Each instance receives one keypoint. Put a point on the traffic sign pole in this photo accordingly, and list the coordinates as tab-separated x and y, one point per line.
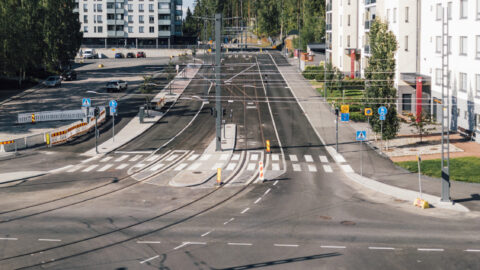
113	127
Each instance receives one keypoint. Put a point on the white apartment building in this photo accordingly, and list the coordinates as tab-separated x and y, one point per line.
130	22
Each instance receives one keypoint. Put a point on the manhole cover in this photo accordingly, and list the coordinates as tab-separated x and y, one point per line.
348	223
197	172
326	217
399	200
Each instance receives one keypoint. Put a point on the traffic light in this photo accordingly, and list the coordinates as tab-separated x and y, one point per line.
96	112
224	112
336	111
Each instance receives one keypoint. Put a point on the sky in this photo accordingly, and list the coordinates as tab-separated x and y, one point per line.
186	4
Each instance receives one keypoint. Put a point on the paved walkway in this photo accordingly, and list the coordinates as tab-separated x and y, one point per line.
363	158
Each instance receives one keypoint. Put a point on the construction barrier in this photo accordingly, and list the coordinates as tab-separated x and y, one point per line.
51	116
261	176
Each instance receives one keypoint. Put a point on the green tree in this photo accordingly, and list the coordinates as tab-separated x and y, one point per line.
189	25
379	75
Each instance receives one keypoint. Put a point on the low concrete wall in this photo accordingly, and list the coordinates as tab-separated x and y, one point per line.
110	53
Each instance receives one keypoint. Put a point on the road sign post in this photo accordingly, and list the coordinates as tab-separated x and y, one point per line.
113	110
382	111
419	160
336	128
96	113
361	137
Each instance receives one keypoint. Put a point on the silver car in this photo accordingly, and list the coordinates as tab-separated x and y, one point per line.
53	81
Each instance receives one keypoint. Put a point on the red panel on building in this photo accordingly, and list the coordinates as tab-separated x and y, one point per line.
419	98
352	63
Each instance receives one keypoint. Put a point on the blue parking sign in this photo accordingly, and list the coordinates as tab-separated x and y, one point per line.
345	117
382	110
113	103
382	117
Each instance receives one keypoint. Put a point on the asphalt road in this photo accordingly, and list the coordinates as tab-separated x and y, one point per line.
309	217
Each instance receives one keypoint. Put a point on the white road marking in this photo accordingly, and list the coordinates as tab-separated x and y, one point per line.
257	200
205	234
122	166
333	246
156	167
172	157
61	169
9	239
239	244
149	259
49	240
381	248
90	159
312	168
327	168
228	221
189	243
121	158
275	183
139	165
76	168
266	192
254	157
182	245
293	158
106	159
236	157
181	167
205	157
347	168
90	168
104	168
195	166
472	250
308	158
135	158
245	210
285	245
251	166
251	107
216	166
275	167
152	158
430	249
148	242
231	166
323	159
223	157
338	158
193	157
275	157
296	167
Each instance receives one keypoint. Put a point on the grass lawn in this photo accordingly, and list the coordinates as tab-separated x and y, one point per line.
466	169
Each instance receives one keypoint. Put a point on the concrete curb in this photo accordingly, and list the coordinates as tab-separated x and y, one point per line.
13	177
396	192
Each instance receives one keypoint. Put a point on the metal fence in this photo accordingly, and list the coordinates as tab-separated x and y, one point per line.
52	116
179	47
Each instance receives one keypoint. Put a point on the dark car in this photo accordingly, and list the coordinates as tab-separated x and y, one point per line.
116	85
141	55
130	55
69	75
119	55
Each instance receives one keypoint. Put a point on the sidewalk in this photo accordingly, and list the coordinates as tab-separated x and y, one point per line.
389	179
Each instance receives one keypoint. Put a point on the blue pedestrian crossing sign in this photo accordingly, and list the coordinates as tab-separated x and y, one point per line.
382	110
361	135
86	102
113	103
345	117
382	117
113	110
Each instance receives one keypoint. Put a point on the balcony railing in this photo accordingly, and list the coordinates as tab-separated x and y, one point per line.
329	6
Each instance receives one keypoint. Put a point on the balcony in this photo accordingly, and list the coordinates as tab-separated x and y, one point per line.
75	10
163	11
115	22
115	33
329	7
178	34
164	22
164	33
366	49
111	10
368	24
178	22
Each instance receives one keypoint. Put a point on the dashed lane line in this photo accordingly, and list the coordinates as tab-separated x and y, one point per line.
240	244
267	191
207	233
285	245
228	221
189	243
258	200
49	240
8	238
472	250
148	242
431	249
275	183
337	247
149	259
245	210
122	158
381	248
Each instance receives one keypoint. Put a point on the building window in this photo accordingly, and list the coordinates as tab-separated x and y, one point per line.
406	43
463	9
163	6
140	7
449	44
478	10
140	29
477	47
438	76
99	9
340	41
477	85
130	7
85	29
348	20
439	10
151	19
119	5
394	15
94	29
341	20
388	15
463	82
463	46
130	18
99	19
449	10
150	7
152	29
85	19
100	29
130	29
179	7
407	9
140	19
348	41
438	44
85	7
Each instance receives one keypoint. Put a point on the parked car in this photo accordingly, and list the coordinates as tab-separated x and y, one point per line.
141	55
116	85
89	54
69	75
130	55
53	81
119	55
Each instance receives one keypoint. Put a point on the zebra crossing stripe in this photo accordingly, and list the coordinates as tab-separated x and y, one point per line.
224	157
181	166
251	166
74	169
172	157
216	166
323	159
347	168
308	158
293	158
296	167
156	167
236	157
135	158
254	157
275	167
327	168
106	159
122	166
152	158
193	157
275	157
90	168
121	158
195	166
312	168
205	157
104	168
231	166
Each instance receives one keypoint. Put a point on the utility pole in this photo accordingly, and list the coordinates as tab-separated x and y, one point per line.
218	90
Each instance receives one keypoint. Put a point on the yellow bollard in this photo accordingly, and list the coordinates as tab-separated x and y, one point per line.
33	118
219	176
268	146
